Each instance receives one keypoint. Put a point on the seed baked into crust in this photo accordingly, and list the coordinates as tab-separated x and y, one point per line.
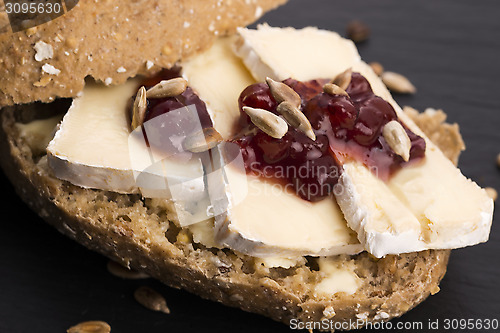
143	236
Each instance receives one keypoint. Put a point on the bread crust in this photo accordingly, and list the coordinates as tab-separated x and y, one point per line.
391	286
113	43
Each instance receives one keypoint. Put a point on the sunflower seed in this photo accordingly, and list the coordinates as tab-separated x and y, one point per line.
151	299
398	83
202	140
267	121
397	139
357	31
377	67
343	79
139	108
492	193
90	327
123	272
296	118
168	88
333	89
281	92
498	160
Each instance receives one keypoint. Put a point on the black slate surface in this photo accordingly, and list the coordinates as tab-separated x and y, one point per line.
450	49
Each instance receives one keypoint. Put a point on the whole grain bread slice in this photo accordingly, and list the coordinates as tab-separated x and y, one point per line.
141	234
112	41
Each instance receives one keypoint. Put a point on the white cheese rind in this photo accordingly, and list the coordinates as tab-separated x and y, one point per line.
72	154
94	148
454	211
376	214
272	221
447	210
272	52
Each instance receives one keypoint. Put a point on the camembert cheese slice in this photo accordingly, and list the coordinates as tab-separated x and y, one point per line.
94	148
219	78
272	222
426	206
265	221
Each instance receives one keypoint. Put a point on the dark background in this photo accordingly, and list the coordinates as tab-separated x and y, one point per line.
448	48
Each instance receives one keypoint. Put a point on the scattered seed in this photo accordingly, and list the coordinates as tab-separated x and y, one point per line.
492	193
168	88
358	31
397	139
296	118
333	89
139	108
123	272
498	160
281	92
398	83
377	67
268	122
151	299
90	327
343	79
202	140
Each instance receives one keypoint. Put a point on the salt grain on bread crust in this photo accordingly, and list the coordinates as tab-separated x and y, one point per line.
104	44
128	230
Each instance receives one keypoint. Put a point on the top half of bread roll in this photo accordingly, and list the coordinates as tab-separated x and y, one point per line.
112	41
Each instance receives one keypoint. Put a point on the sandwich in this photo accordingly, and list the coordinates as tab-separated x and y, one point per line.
268	169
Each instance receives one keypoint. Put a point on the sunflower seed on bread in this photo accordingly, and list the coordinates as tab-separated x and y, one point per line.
333	89
167	88
343	79
397	138
203	140
139	108
283	93
296	118
267	122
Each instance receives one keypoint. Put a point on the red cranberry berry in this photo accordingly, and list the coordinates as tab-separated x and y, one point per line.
257	96
273	150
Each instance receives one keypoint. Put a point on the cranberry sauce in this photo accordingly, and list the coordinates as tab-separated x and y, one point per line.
346	127
166	132
159	106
